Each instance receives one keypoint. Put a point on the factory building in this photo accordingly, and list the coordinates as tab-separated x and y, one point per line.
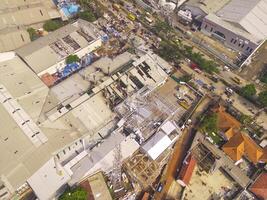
16	16
80	38
239	24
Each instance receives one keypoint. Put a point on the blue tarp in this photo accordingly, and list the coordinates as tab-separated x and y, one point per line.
73	9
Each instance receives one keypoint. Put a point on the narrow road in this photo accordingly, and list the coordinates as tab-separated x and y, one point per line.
180	149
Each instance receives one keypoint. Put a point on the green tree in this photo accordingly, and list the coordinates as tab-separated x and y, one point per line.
263	98
74	194
248	91
210	123
162	26
72	59
52	25
169	51
87	15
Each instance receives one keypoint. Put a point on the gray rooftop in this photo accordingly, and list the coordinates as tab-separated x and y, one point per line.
236	10
17	15
207	6
58	45
250	15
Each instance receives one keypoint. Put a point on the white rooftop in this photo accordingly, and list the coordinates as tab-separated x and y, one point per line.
251	15
157	144
46	181
168	127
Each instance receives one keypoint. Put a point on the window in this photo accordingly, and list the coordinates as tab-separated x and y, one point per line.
64	152
242	45
250	50
211	29
239	44
232	40
235	41
247	48
41	13
206	26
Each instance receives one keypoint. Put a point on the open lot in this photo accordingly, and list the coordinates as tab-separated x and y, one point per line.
259	59
204	186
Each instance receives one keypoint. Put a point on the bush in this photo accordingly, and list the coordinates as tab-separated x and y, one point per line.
52	25
248	91
72	59
87	15
74	194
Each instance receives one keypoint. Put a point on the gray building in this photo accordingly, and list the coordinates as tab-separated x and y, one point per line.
239	24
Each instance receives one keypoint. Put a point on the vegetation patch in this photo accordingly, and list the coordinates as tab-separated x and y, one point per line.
209	126
248	91
74	194
72	59
263	98
33	34
52	25
87	15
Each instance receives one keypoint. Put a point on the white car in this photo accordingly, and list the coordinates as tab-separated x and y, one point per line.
226	68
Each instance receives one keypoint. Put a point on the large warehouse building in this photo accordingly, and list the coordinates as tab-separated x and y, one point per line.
18	15
239	24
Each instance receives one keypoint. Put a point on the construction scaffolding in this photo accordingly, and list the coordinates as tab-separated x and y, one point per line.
144	112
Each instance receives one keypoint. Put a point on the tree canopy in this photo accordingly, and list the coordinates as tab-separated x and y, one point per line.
72	59
162	26
263	98
52	25
169	51
87	15
248	91
32	33
74	194
210	123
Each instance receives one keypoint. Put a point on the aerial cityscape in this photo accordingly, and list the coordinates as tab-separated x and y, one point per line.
133	99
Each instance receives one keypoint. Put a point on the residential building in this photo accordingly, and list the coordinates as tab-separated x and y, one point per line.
241	145
186	172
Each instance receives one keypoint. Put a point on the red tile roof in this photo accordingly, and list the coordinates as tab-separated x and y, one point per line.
187	170
241	144
146	196
259	187
225	120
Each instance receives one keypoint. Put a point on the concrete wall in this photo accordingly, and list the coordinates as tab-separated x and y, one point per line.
229	38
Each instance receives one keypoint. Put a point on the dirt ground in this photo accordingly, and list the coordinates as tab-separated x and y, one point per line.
203	185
